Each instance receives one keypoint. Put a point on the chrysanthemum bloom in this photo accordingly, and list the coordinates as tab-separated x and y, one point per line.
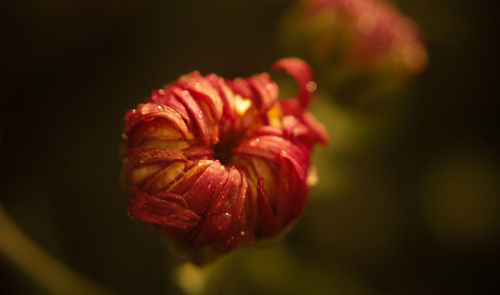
220	163
362	48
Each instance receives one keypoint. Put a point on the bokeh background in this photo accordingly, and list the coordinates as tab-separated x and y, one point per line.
408	194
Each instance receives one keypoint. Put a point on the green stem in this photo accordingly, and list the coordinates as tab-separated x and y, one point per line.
41	266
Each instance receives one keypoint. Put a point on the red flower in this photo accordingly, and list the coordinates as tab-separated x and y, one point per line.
221	163
362	50
377	29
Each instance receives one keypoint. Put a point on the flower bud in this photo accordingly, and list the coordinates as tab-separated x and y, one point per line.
362	49
221	164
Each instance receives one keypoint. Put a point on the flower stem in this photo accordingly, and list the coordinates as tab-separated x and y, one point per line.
41	266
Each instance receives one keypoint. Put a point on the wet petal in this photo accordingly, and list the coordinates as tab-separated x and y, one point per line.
201	89
196	113
165	97
144	156
165	209
151	111
302	73
225	94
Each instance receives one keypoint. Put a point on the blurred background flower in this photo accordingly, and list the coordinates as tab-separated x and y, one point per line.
363	50
407	197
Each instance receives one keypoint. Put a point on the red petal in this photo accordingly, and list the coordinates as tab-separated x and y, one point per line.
225	94
202	190
270	147
165	97
265	92
294	108
164	210
196	113
316	127
191	174
267	220
240	86
223	222
143	156
201	89
150	111
196	152
301	72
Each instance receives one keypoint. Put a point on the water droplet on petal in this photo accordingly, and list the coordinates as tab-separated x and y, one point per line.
255	142
230	240
222	221
311	86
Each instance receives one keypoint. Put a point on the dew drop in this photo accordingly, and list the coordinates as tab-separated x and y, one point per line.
311	86
255	142
159	108
219	203
230	240
222	221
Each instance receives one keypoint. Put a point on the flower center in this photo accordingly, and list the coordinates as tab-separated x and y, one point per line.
224	149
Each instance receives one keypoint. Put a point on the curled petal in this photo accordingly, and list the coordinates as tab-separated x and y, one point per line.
270	147
162	209
166	97
144	156
195	153
259	88
268	222
152	111
189	175
240	86
196	113
291	201
224	221
225	94
315	129
201	89
202	190
265	92
302	73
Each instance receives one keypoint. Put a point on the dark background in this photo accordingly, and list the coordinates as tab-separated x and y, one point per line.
408	198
